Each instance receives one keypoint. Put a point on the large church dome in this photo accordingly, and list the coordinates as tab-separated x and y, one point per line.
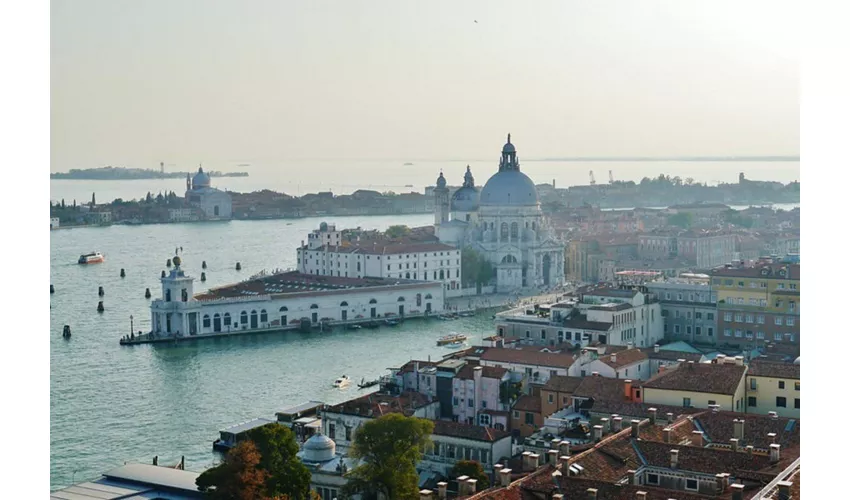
509	186
201	179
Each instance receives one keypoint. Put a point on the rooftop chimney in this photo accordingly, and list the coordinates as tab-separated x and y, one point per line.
674	459
564	447
606	425
505	477
696	438
617	424
669	418
442	490
784	490
564	461
774	453
739	360
737	491
525	456
552	457
734	442
738	425
557	496
635	428
640	495
771	436
595	374
533	461
653	413
591	494
461	484
426	495
661	368
614	358
773	415
627	388
750	449
597	433
470	486
632	476
721	358
719	482
666	433
657	348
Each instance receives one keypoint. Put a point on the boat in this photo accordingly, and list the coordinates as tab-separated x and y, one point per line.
456	345
342	382
90	258
408	185
364	384
466	314
451	339
391	322
354	327
408	164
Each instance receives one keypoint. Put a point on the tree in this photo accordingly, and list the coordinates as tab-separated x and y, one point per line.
238	478
387	450
92	200
63	202
472	469
689	181
397	231
486	272
470	264
286	474
681	219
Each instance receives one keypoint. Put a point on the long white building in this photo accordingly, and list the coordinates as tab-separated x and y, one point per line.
326	254
283	300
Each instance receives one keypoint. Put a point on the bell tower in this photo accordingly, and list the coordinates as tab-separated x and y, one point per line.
441	201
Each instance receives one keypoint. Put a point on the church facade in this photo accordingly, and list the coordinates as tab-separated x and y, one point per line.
504	223
215	203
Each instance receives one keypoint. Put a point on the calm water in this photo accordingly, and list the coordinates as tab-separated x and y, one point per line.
336	176
110	404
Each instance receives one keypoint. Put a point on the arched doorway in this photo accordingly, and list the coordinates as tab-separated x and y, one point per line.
253	319
283	311
315	315
344	312
216	322
373	309
401	306
547	266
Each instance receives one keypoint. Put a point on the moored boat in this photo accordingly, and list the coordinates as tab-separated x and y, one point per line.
451	339
342	382
90	258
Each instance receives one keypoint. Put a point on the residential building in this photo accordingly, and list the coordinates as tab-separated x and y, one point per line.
758	304
526	415
532	364
54	223
595	388
476	388
452	442
688	309
629	363
557	393
773	387
327	254
700	385
704	249
660	358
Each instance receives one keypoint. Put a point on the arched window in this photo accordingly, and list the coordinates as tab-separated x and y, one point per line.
284	308
243	318
343	304
168	295
264	317
428	296
206	320
509	259
514	230
407	276
314	306
253	319
504	231
226	319
373	301
401	299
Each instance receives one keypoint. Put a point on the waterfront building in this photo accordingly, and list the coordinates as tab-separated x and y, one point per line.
54	223
135	481
603	314
215	203
758	304
327	467
452	442
326	253
700	385
182	215
688	309
285	300
773	387
504	223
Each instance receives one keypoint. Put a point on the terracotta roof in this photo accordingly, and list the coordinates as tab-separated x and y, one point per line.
465	431
699	377
755	271
528	356
639	410
718	428
562	383
528	403
760	368
671	355
389	248
410	365
381	404
468	372
705	460
601	388
624	358
294	282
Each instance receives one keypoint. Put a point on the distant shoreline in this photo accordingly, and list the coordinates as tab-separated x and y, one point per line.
130	174
674	158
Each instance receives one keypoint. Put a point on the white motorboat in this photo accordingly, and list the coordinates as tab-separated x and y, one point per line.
342	382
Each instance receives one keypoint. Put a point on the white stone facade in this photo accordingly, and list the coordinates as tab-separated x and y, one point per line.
216	204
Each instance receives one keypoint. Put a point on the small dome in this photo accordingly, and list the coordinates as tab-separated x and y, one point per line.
319	448
441	181
509	187
465	199
797	361
201	179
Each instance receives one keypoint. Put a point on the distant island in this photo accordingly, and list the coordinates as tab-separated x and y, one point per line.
674	158
128	174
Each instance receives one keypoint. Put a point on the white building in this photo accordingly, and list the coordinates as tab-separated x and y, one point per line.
325	254
182	215
215	204
630	363
282	300
54	222
504	223
327	467
452	442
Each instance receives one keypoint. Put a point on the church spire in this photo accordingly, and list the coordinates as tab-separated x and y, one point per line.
509	160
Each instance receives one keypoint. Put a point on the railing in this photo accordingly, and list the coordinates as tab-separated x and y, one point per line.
768	490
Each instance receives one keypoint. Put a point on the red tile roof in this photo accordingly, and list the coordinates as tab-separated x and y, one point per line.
562	383
465	431
760	368
528	403
528	356
468	372
793	272
377	404
624	358
709	378
601	388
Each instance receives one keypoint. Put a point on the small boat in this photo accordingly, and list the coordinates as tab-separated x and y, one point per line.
372	325
364	384
391	322
354	327
456	345
408	185
408	164
451	339
342	382
90	258
466	314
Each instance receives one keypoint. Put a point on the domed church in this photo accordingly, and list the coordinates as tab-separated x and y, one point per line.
504	223
215	203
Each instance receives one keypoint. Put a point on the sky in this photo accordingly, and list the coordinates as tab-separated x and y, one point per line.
133	83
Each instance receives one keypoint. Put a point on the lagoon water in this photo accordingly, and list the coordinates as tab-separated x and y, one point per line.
110	403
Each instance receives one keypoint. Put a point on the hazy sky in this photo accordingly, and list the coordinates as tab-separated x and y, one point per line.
133	82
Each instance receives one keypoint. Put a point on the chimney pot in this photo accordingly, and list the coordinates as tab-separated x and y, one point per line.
618	424
750	449
632	476
552	456
557	496
738	425
734	444
597	432
666	432
470	486
784	490
653	413
718	480
657	348
533	461
564	461
591	493
614	358
739	360
442	489
595	374
606	425
627	388
425	494
669	418
696	437
774	453
505	477
674	459
564	447
635	428
771	436
640	495
737	491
